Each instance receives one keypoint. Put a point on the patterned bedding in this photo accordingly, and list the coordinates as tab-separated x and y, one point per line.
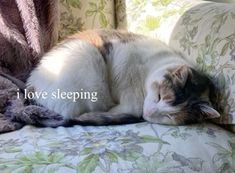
136	148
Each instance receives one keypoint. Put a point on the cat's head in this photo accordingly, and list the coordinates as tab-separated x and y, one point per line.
180	96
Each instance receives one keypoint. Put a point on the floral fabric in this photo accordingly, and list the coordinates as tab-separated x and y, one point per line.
205	34
137	148
78	15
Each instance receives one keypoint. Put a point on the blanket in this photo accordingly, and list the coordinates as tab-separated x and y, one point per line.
15	112
25	27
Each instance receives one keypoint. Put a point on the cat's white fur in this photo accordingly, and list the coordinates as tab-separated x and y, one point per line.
123	84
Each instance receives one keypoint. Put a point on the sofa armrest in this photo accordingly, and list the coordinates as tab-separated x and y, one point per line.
205	34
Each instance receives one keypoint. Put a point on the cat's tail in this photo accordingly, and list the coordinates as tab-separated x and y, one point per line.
104	118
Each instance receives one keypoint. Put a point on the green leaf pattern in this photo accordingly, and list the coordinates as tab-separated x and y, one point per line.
77	15
136	148
151	17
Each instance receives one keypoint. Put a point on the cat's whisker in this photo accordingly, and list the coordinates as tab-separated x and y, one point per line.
173	113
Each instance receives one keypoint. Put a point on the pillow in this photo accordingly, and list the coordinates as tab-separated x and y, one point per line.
203	31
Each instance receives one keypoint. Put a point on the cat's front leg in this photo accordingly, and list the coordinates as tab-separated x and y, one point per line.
116	115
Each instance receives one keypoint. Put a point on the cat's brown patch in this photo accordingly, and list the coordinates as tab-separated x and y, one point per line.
94	38
89	36
181	117
102	39
120	35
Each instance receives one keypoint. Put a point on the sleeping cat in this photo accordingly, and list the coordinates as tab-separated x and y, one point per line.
134	76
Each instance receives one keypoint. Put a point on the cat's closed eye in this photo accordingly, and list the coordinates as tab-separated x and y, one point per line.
166	93
168	97
159	97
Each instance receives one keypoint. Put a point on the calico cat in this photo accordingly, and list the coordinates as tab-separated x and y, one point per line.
134	76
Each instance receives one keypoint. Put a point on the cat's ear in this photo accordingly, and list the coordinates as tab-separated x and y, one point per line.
180	75
209	112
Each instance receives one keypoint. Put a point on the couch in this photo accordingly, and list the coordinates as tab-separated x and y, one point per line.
203	32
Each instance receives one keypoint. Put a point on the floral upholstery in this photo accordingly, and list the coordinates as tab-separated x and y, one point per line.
205	34
137	148
81	15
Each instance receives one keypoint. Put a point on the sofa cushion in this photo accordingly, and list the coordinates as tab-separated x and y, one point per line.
136	148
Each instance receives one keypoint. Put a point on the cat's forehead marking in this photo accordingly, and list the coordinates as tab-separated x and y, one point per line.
196	87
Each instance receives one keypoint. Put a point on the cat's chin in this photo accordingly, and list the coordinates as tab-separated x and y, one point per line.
163	119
